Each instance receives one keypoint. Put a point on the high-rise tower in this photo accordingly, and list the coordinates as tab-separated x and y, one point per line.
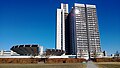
60	31
77	31
83	34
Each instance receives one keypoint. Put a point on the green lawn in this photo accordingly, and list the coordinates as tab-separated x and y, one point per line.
108	65
65	65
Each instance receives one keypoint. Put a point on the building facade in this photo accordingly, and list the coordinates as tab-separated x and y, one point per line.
8	53
60	31
28	49
81	31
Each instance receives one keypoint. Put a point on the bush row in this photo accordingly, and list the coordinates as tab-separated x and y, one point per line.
36	60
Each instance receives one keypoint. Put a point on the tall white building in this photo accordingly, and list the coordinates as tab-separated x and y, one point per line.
83	33
60	31
77	31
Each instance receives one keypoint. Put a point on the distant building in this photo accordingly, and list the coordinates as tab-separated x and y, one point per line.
8	53
54	52
77	32
28	50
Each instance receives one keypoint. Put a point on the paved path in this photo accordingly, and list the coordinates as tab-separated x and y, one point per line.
90	64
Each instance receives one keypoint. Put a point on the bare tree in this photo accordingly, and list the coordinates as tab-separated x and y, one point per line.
80	53
117	54
95	53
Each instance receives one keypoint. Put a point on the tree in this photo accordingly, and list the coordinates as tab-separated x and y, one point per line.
95	53
117	54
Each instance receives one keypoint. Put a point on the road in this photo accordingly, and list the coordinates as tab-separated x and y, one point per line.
90	64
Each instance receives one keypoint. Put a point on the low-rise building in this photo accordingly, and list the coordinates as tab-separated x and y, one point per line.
28	50
7	53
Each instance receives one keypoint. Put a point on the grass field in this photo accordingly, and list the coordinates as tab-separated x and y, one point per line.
65	65
108	64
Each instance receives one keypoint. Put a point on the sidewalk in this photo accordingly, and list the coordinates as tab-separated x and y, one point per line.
90	64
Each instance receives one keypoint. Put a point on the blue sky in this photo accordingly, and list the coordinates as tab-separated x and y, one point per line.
33	22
